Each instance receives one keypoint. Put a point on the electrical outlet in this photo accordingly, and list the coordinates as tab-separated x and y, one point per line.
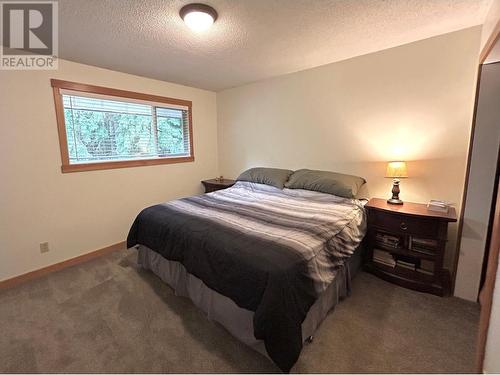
44	247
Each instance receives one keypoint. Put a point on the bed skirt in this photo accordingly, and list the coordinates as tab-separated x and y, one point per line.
239	321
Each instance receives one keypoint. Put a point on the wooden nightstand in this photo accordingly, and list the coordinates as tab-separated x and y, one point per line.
214	185
406	245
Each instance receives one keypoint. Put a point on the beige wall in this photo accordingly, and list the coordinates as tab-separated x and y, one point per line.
80	212
413	102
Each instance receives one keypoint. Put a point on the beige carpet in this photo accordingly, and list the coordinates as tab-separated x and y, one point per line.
109	316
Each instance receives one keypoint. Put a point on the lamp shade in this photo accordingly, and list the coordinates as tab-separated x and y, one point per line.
396	169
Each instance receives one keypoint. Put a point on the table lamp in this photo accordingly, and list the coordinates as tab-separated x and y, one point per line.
396	170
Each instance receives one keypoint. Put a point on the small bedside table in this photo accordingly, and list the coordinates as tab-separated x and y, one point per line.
406	245
214	185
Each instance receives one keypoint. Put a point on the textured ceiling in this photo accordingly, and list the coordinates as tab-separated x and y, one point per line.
252	39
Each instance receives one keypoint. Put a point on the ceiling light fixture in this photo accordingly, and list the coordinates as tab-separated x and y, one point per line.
198	17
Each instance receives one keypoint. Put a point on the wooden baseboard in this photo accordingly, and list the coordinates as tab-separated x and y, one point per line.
64	264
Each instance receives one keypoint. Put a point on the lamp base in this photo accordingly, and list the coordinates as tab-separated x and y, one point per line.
394	201
395	193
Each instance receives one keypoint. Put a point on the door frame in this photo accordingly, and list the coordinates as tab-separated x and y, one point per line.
486	293
493	39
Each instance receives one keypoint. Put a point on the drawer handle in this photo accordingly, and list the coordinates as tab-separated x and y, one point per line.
403	226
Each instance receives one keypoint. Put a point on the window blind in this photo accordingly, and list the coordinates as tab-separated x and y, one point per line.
101	128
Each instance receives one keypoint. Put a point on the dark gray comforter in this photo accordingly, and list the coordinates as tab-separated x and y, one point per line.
270	251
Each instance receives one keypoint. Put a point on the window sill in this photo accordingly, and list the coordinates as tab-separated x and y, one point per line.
123	164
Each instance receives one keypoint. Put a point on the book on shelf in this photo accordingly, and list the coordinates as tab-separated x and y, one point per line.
423	251
423	245
423	242
407	265
383	254
383	257
387	239
385	263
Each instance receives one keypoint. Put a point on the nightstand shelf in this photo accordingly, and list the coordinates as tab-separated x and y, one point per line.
406	245
405	252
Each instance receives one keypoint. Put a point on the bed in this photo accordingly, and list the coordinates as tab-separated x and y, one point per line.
266	263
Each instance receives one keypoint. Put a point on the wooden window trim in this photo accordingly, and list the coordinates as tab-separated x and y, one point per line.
66	167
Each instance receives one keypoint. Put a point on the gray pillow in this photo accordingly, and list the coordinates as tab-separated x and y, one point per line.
343	185
269	176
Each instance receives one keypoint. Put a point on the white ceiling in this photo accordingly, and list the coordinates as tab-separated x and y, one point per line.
252	39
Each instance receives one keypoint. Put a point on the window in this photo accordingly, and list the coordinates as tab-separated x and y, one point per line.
101	128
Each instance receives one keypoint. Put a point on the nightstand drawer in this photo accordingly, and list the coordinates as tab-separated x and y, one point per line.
404	224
